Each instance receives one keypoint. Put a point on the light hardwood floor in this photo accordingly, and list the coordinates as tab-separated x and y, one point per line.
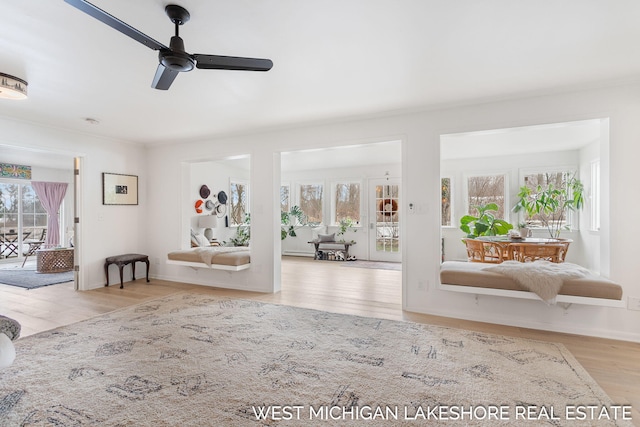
329	286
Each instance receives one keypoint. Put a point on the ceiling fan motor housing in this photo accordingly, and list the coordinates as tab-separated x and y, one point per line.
176	58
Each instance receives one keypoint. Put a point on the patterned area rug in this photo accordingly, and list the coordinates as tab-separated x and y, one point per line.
195	360
29	279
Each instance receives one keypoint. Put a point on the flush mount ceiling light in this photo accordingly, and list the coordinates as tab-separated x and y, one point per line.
12	87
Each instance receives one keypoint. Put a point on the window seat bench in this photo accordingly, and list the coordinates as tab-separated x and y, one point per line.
470	277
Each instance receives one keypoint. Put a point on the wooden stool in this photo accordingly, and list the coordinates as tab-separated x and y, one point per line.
121	261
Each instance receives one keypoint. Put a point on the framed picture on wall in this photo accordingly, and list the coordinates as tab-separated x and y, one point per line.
119	189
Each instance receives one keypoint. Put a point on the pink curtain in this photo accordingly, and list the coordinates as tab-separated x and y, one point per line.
51	195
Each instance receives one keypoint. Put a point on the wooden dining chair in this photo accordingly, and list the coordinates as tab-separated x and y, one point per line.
524	252
484	251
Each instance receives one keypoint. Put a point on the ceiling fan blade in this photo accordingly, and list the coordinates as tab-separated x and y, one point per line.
217	62
163	78
117	24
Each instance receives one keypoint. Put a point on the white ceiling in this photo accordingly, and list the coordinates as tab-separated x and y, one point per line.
521	140
332	59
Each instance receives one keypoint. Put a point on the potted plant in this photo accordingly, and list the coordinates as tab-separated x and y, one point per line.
524	230
345	224
243	233
291	221
485	224
549	205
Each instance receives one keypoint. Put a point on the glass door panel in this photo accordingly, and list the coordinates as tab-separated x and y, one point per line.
385	227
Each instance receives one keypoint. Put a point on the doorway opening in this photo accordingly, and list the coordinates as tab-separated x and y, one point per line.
347	194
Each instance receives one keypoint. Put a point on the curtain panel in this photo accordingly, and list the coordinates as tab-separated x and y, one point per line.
51	195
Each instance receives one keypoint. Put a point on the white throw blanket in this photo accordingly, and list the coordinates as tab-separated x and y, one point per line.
207	254
541	277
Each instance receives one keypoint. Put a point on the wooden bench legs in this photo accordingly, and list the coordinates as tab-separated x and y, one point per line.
121	261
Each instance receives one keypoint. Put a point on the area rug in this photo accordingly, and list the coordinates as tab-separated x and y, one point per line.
29	279
195	360
380	265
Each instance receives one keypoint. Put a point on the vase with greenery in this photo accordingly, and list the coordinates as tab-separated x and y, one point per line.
485	224
291	221
345	225
550	204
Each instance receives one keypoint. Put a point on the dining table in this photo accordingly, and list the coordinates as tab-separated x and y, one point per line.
511	245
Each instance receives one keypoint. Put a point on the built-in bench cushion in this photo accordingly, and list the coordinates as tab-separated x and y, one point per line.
236	257
473	274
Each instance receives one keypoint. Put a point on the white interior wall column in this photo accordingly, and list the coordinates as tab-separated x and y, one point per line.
265	221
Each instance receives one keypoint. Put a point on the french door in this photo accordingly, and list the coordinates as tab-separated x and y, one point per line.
384	217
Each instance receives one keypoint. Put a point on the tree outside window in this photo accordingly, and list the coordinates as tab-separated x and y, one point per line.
238	202
347	202
445	188
311	202
486	189
284	198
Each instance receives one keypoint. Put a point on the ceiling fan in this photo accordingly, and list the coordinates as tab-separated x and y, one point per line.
173	59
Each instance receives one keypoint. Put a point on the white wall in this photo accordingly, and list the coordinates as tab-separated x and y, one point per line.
107	230
419	133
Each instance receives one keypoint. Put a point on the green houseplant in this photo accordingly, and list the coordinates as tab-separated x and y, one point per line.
485	224
243	233
549	205
344	225
291	221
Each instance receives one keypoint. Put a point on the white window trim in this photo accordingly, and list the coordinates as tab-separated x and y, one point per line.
595	172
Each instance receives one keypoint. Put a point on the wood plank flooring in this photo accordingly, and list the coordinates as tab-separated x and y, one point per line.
329	286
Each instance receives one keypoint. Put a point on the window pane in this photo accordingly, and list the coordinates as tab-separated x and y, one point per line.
311	202
8	208
484	190
284	198
445	189
543	180
387	218
237	203
348	202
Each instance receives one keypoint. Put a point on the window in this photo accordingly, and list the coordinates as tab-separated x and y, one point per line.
34	217
9	197
484	189
595	195
21	215
285	204
238	202
445	189
551	189
347	202
310	197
